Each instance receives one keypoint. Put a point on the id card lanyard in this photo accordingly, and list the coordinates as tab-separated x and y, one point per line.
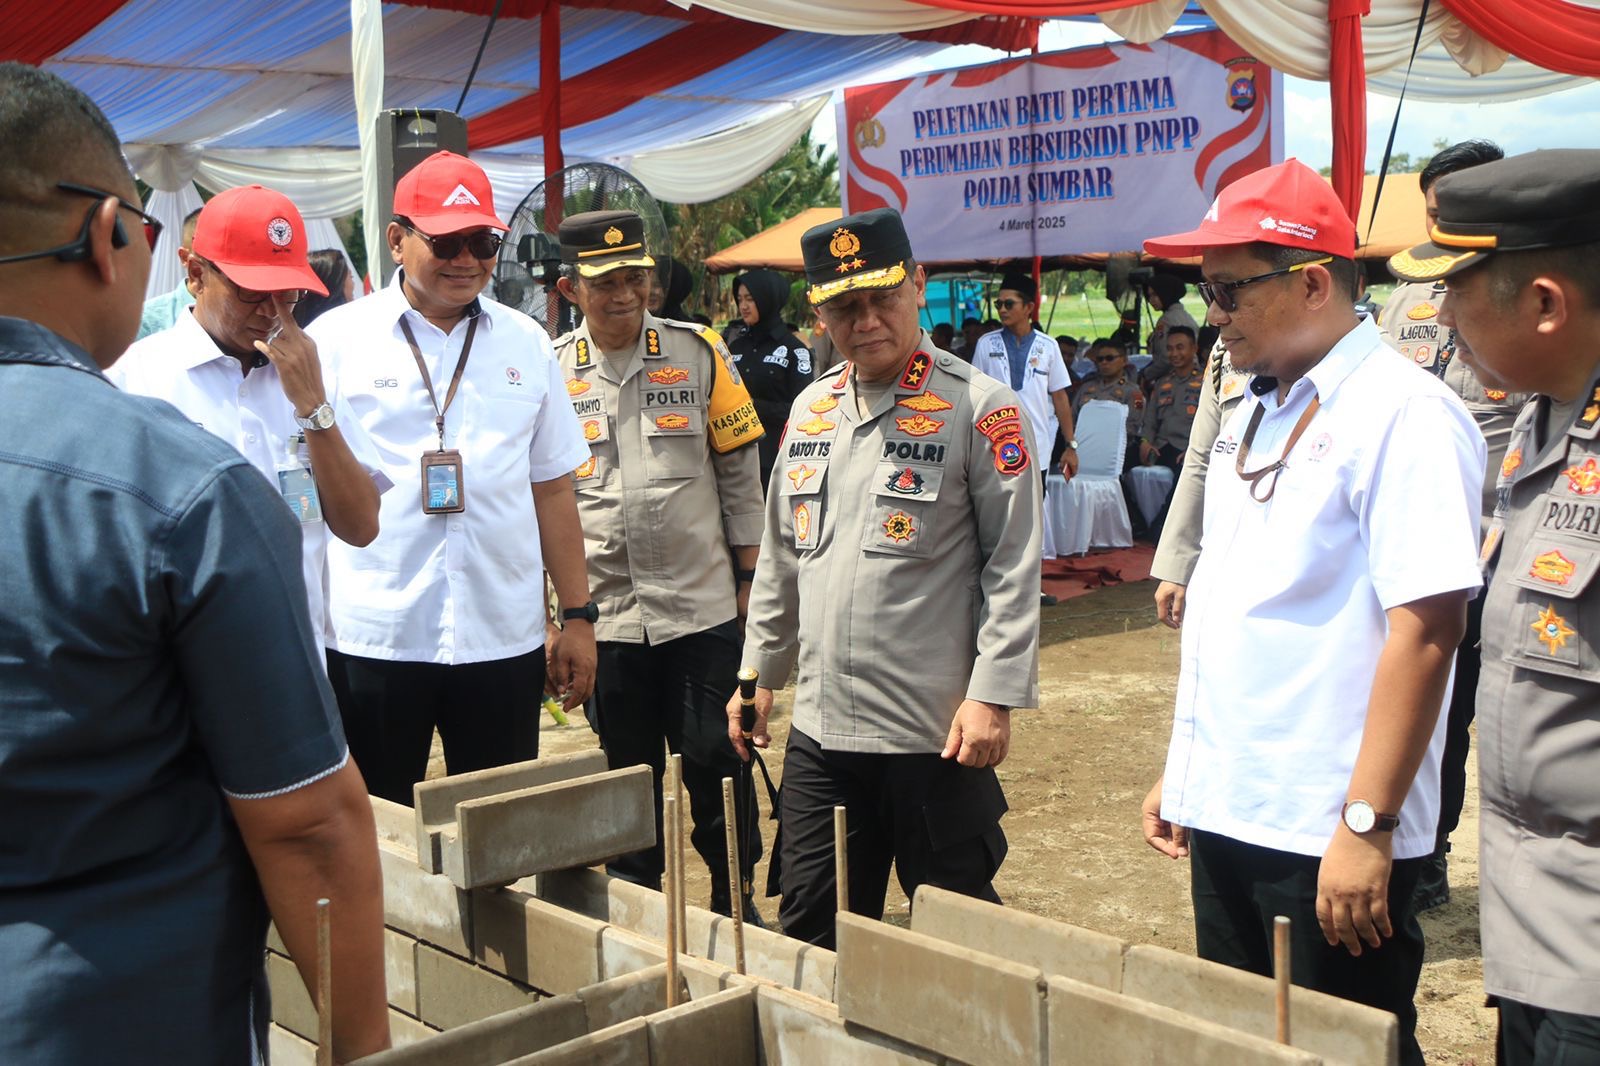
443	477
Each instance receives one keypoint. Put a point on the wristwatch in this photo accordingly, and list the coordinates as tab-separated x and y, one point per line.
1073	444
321	417
1360	818
589	612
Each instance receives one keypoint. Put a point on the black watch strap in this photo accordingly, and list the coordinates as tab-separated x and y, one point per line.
589	612
745	576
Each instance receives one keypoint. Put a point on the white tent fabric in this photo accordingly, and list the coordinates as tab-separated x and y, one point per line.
1146	22
366	66
716	165
836	16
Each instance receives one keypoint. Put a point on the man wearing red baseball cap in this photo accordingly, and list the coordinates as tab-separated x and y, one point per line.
1321	622
440	623
239	366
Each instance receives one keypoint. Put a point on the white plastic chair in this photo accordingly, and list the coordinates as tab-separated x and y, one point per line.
1089	511
1151	486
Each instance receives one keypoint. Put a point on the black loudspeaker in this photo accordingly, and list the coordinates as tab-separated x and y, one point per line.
405	138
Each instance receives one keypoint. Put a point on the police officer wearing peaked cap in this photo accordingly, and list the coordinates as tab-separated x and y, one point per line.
670	500
900	572
1517	243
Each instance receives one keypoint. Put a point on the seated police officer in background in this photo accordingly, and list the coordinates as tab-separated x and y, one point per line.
1517	245
671	507
906	502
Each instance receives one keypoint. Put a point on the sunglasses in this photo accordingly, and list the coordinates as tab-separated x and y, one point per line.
79	249
1007	304
1107	358
249	296
1221	292
484	244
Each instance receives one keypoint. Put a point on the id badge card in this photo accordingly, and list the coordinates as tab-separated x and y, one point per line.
444	487
299	491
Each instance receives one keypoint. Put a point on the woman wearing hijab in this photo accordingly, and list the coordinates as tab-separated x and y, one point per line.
1165	294
775	364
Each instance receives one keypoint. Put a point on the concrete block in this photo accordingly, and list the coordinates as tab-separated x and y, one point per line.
587	820
622	953
720	1028
769	956
553	949
406	1031
960	1003
435	801
492	1040
426	906
274	941
452	991
632	995
286	1049
400	970
395	823
1090	1026
1053	947
625	1044
800	1030
291	1003
1336	1029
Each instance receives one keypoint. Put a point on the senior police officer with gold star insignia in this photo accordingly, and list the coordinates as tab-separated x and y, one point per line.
1517	244
670	499
900	571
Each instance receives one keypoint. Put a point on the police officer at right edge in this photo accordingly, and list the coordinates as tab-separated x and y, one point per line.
1517	244
899	567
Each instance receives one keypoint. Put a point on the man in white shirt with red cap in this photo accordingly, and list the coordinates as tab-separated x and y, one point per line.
441	621
1337	559
237	364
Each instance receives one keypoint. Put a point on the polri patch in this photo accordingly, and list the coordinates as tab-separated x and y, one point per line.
1003	427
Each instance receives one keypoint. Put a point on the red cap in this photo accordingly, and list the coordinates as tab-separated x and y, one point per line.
255	236
446	193
1289	204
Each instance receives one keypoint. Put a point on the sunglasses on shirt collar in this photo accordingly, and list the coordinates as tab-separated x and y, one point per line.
79	249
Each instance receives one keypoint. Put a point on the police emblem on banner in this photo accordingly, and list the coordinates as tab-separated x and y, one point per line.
1241	75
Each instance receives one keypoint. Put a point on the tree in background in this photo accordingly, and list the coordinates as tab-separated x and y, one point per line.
807	175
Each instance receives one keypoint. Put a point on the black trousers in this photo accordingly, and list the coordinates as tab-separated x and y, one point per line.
487	715
1239	888
677	692
937	821
1458	723
1533	1036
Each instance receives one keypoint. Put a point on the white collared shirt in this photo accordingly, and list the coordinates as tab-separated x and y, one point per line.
184	366
1044	374
1284	623
448	588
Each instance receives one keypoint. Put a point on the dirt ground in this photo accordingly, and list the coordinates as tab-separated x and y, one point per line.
1079	767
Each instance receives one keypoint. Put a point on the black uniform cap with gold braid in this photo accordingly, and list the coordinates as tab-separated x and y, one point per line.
865	251
1547	199
598	242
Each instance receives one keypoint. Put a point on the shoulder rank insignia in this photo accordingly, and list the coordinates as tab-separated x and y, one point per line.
583	352
1552	629
907	482
919	425
667	375
899	527
1553	567
1003	427
652	343
577	387
1584	480
916	371
842	380
816	425
926	402
1591	413
823	405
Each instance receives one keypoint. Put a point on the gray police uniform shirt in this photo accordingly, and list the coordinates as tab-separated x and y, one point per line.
1538	734
1220	393
1410	322
1170	413
900	565
670	481
1124	390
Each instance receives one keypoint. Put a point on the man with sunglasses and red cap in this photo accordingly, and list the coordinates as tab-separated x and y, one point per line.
171	764
441	621
1336	563
1516	244
238	366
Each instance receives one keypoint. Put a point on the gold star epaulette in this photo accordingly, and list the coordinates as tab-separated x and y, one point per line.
583	353
652	344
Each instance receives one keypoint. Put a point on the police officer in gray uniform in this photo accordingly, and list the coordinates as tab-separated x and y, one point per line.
1518	245
900	569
